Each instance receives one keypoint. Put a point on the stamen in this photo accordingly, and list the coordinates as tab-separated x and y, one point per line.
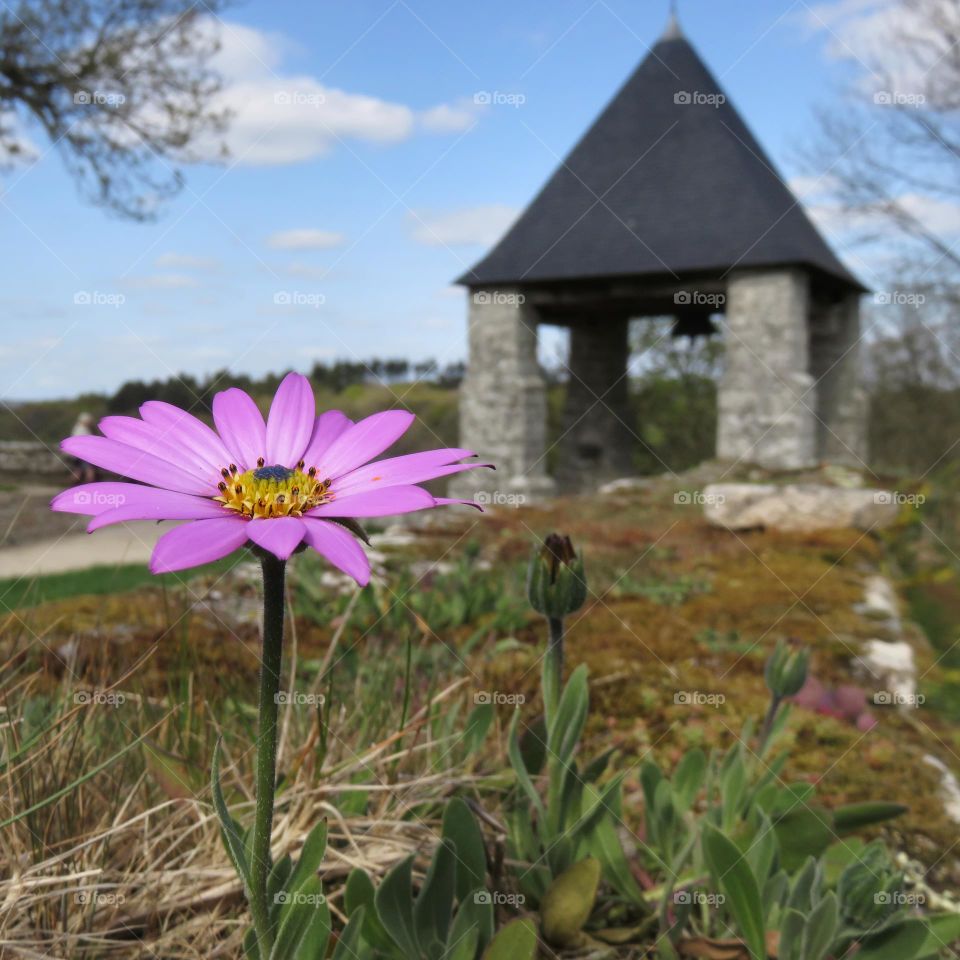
274	491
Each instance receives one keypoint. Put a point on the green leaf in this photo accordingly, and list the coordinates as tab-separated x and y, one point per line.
902	942
358	897
394	902
348	945
314	847
434	903
516	941
606	847
476	728
733	875
520	768
942	930
533	746
461	828
804	832
567	728
855	816
689	776
821	928
791	935
568	903
229	828
472	927
304	924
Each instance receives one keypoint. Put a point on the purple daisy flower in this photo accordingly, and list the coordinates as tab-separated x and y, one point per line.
277	484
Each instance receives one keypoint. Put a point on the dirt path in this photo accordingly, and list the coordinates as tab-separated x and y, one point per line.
123	543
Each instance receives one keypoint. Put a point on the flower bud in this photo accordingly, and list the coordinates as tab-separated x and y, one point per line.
556	584
786	670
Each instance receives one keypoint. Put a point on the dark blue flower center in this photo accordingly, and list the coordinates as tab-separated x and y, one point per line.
276	472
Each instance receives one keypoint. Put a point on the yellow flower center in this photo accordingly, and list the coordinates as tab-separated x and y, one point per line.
272	491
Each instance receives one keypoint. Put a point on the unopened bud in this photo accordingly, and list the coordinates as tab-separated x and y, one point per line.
786	670
557	584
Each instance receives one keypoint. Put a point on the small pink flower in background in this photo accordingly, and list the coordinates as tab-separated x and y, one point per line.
275	483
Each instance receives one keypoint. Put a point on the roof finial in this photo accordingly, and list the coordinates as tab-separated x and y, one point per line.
673	31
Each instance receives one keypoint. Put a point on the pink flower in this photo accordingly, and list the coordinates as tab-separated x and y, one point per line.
276	484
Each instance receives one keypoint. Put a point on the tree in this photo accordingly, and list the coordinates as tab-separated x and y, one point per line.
888	154
123	88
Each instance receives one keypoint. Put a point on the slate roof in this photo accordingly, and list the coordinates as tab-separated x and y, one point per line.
668	180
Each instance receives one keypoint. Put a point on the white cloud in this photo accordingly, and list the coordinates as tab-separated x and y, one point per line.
306	238
449	118
470	225
185	261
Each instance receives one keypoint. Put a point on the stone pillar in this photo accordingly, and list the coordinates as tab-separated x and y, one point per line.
597	440
835	366
767	398
503	401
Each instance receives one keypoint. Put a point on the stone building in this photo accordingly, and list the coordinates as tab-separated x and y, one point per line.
667	206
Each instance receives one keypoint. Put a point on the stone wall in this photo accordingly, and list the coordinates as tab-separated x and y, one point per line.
30	458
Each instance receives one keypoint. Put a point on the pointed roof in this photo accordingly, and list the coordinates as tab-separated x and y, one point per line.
668	180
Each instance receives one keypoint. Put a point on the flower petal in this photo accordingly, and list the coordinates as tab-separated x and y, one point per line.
280	535
452	501
151	438
363	441
376	503
412	468
93	499
136	464
339	547
240	423
290	423
186	429
326	429
164	505
197	542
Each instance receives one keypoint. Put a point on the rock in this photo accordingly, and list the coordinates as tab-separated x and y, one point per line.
625	485
795	507
892	669
949	788
879	599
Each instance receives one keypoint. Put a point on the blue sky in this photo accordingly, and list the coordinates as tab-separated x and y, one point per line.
336	228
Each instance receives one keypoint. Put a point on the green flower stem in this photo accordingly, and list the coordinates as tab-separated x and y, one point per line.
768	722
553	670
270	661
